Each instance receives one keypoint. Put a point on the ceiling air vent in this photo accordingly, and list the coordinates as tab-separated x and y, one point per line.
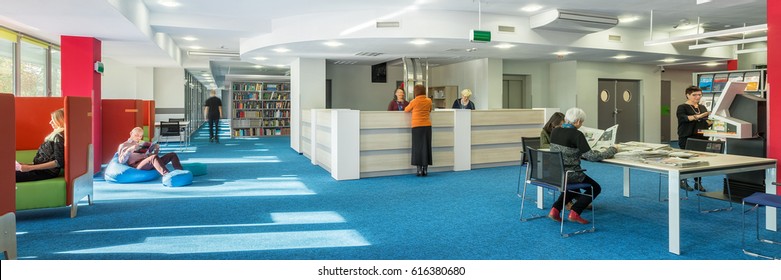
614	38
345	62
387	24
369	54
571	21
505	28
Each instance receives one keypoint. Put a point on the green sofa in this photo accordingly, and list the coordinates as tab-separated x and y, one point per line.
39	194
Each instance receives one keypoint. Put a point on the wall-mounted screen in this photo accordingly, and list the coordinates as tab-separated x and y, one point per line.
379	73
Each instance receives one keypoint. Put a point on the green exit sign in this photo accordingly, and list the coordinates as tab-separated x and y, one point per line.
479	36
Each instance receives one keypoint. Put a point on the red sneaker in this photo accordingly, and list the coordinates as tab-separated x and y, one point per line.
575	217
555	214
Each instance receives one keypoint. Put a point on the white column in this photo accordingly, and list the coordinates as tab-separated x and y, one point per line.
462	139
313	136
345	144
307	88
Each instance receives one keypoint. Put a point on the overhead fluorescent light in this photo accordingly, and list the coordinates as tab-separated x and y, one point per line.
281	50
751	50
333	43
728	43
260	58
628	19
196	47
711	64
169	3
505	46
213	53
562	53
692	37
189	38
419	42
622	56
531	8
670	60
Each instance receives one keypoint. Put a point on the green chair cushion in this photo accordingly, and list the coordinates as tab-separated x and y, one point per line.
25	156
196	168
41	194
146	133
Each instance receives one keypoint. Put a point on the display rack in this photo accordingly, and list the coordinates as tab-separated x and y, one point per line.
443	97
260	108
712	83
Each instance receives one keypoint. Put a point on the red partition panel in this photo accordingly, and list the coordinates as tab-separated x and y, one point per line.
78	57
78	136
149	117
7	152
119	117
773	101
32	120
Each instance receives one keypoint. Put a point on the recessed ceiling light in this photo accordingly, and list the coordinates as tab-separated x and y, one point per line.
260	58
505	46
628	19
333	43
281	65
621	56
205	75
169	3
196	47
670	60
419	42
281	50
189	38
257	66
531	8
562	53
711	64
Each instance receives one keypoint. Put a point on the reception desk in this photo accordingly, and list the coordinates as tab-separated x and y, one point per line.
353	144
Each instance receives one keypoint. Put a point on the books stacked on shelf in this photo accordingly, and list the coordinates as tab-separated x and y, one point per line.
260	109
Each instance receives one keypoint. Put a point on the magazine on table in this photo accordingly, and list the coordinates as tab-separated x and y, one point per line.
598	138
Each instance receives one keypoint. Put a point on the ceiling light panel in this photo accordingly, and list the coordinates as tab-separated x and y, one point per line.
531	8
419	42
281	50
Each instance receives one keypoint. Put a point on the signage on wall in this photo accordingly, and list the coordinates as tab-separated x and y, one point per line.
99	67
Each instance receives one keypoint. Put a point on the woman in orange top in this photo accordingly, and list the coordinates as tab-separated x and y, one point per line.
421	130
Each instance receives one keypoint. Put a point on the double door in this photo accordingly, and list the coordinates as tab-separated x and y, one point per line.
619	103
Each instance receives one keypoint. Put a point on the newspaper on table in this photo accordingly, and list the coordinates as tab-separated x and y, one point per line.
598	138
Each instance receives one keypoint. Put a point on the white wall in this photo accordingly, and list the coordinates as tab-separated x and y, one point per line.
307	91
352	87
118	81
537	85
563	88
169	93
679	81
588	74
145	83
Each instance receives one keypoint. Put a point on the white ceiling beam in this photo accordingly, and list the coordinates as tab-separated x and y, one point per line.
728	43
720	33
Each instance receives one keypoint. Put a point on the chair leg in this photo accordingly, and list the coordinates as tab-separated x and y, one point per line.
523	204
758	238
593	218
729	199
661	199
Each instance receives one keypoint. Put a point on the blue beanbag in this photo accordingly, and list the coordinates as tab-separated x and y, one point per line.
121	173
178	178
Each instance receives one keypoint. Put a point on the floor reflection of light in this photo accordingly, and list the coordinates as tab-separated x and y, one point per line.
21	232
282	218
235	188
193	244
258	159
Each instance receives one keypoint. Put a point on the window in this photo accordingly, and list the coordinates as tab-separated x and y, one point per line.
56	75
7	43
33	72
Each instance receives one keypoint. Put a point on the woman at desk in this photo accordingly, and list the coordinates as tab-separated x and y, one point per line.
50	158
398	103
692	117
572	144
464	102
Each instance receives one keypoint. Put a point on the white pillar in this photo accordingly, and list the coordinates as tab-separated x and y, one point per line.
462	139
307	87
345	144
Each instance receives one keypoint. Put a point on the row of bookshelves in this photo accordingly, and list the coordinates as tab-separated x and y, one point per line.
257	132
244	114
262	96
261	104
246	123
260	86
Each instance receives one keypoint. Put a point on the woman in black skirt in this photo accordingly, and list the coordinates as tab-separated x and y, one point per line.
421	130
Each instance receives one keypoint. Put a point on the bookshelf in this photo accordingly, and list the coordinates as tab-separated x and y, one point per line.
443	96
260	108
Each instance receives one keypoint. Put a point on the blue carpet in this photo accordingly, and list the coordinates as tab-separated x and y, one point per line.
261	200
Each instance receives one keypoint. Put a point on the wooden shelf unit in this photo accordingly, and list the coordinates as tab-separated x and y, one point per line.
260	108
443	96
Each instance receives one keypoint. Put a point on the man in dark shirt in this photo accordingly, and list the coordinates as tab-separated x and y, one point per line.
212	111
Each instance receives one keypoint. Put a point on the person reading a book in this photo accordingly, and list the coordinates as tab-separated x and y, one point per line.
555	121
144	155
399	102
692	118
49	160
573	146
464	102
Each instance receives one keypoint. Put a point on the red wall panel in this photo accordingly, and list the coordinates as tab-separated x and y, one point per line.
7	152
79	78
119	117
773	101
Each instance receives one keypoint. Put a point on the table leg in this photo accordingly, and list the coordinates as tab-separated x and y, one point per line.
674	212
626	181
770	212
540	197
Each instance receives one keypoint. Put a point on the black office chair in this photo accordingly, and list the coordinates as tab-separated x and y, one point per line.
758	199
170	129
716	147
175	119
546	169
526	142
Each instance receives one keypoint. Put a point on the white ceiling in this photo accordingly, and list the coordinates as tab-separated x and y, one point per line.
146	33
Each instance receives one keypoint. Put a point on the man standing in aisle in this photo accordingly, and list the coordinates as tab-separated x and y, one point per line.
212	111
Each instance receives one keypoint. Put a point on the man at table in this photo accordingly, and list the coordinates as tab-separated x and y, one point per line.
212	111
572	144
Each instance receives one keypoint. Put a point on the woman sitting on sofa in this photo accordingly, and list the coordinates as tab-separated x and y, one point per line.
50	158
